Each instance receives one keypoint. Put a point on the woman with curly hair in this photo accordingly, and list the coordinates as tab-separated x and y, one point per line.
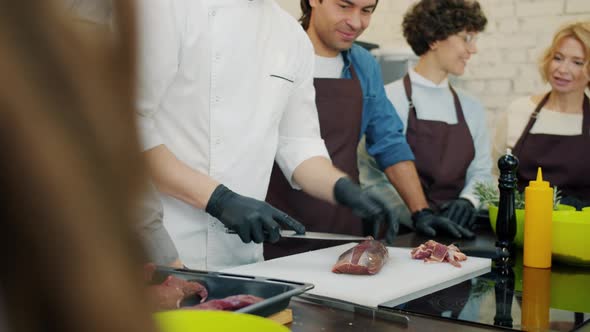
446	129
552	129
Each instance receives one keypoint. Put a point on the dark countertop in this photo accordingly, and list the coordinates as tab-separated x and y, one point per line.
309	316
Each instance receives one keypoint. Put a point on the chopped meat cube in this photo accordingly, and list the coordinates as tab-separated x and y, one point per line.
367	257
439	252
421	252
460	256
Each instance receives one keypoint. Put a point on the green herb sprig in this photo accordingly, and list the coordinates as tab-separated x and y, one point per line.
489	194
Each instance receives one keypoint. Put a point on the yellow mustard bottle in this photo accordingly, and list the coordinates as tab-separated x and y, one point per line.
536	299
538	217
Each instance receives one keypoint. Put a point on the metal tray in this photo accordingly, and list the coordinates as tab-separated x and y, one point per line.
276	292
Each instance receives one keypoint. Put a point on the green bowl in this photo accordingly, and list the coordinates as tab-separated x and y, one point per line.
567	283
571	229
214	321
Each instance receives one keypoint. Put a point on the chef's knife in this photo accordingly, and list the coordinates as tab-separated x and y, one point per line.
485	252
316	236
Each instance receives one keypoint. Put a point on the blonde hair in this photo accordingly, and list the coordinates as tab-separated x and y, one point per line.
580	31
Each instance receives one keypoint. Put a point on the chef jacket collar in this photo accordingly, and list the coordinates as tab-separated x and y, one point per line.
421	80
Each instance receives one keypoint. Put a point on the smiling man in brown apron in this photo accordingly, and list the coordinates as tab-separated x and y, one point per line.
351	102
446	129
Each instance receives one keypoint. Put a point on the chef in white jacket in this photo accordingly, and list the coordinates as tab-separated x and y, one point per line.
226	87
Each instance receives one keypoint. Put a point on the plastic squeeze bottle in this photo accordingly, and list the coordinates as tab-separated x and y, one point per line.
538	217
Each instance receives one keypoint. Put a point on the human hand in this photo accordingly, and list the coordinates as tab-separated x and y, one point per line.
372	208
461	211
251	219
428	223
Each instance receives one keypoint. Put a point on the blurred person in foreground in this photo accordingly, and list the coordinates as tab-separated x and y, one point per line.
552	130
93	17
70	176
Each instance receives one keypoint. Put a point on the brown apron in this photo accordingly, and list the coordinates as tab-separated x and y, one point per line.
340	106
564	159
443	151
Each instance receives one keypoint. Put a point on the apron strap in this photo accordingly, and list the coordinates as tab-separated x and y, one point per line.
412	107
586	121
458	107
408	88
353	72
530	124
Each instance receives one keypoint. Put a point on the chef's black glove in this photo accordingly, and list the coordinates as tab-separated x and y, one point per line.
368	206
573	201
251	219
428	223
461	211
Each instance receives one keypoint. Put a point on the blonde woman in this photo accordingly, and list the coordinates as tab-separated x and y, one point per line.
552	130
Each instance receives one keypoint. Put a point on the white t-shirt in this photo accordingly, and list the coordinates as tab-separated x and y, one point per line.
328	67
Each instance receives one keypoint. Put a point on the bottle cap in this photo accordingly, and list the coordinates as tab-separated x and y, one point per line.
539	183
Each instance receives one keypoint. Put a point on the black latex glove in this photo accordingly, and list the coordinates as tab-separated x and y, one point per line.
251	219
573	201
461	211
428	223
368	206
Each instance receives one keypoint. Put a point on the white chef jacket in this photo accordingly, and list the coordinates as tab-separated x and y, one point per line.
227	86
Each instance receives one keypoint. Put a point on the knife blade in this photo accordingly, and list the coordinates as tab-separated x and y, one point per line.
322	236
286	233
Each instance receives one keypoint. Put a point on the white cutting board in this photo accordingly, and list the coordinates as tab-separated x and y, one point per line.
400	280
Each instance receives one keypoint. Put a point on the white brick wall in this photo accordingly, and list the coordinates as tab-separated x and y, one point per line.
505	67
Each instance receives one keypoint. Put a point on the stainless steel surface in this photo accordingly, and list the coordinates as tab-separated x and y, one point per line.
390	316
316	236
311	316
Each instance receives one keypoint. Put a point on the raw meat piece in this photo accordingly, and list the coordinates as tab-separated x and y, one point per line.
189	288
165	297
367	257
148	271
434	252
169	294
229	303
421	252
439	252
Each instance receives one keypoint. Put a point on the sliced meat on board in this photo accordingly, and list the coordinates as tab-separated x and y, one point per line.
434	252
367	257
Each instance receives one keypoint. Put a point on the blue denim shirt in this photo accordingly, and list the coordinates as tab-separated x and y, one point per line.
382	127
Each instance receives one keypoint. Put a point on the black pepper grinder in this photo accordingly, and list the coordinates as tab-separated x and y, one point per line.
506	221
504	294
